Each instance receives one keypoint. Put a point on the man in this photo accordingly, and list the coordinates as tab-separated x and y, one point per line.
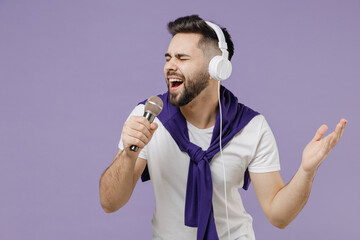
183	160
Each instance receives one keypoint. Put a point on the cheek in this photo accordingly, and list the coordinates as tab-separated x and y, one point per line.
189	70
201	72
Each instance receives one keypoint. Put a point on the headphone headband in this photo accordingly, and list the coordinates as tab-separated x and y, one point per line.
221	38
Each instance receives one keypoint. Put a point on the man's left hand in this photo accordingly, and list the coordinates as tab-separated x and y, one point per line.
318	148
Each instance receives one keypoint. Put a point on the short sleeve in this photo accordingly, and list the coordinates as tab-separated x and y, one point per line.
266	155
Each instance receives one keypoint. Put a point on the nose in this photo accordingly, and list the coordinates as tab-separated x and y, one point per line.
170	65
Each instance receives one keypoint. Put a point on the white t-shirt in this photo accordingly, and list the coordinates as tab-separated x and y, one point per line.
254	147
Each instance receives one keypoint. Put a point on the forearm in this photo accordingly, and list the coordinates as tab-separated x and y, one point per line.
291	199
282	203
117	182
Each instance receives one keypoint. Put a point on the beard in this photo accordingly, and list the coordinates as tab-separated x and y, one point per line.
191	89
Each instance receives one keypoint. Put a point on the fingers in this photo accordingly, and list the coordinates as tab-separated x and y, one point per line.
317	150
320	132
338	131
332	139
137	131
325	146
340	127
138	125
153	126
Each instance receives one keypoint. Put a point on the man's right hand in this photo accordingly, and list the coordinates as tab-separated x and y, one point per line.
137	131
119	179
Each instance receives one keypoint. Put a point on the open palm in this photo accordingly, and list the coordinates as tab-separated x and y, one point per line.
318	148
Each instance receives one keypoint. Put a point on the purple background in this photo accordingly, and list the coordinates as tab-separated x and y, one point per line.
71	71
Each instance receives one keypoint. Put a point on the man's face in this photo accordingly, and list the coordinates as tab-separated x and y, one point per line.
185	69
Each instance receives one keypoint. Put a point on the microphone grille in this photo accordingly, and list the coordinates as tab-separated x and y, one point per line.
154	105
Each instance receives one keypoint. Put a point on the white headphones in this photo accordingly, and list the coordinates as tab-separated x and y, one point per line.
220	67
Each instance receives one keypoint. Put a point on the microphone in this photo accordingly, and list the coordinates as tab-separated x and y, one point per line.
153	107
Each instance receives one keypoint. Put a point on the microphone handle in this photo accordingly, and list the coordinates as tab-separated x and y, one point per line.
150	117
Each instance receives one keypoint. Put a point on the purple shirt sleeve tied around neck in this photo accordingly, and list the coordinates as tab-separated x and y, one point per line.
198	204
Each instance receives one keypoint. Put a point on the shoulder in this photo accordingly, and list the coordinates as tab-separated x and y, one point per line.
250	134
255	124
257	120
255	131
260	123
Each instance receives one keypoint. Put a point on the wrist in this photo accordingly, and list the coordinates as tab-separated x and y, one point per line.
129	156
307	174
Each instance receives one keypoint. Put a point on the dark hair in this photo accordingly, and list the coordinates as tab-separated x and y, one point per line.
195	24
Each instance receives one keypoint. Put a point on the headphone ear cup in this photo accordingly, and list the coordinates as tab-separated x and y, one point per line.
220	68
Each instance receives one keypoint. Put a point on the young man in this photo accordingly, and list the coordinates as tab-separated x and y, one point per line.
183	158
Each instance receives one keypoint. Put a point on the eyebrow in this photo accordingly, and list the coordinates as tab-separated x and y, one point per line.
178	55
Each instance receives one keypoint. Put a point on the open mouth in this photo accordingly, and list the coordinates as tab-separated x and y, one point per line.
175	83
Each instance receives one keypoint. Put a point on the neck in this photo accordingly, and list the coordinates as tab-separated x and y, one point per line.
201	111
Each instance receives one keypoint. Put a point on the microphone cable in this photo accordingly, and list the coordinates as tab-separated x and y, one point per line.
223	164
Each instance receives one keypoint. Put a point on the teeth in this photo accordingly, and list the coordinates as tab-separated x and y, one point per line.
175	80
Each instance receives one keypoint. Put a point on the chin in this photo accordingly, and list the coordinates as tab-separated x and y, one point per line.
174	101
